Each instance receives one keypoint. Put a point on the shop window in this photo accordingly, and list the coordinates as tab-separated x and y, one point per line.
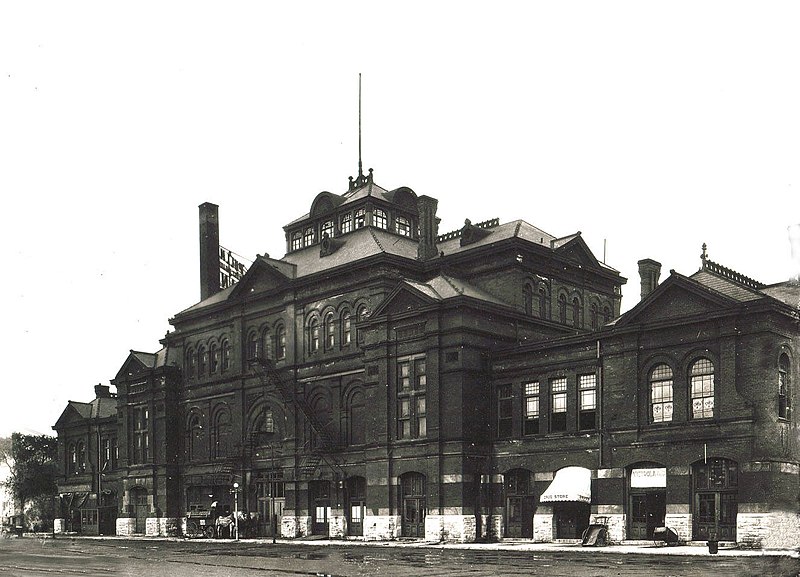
379	218
412	383
531	425
661	394
587	400
783	386
402	226
505	411
558	405
701	382
346	223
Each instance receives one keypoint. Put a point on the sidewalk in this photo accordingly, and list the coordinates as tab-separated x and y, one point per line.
517	545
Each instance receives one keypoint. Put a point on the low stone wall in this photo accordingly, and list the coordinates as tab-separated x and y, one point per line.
450	528
381	527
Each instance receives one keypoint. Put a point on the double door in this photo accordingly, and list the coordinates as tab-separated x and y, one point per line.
413	517
648	510
715	516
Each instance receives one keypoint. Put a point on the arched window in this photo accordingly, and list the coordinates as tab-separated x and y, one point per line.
195	438
346	224
402	226
544	303
527	299
356	421
701	383
606	315
361	315
576	312
226	355
313	335
191	363
202	361
595	317
359	218
326	228
72	459
308	236
280	342
80	466
661	394
222	435
345	328
297	240
379	218
214	358
783	386
330	332
253	346
562	309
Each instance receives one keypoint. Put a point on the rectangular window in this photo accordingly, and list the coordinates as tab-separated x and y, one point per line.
587	399
702	396
531	426
505	412
141	439
558	404
411	401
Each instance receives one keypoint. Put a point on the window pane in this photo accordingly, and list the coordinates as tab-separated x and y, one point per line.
557	385
560	403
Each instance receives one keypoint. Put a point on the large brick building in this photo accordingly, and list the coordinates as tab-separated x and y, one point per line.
381	381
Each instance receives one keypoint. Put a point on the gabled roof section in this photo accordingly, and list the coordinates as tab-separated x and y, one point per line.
450	243
328	202
265	274
574	248
438	289
785	292
77	412
136	364
676	297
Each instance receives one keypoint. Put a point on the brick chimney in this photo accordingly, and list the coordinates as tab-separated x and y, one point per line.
649	273
428	228
102	391
209	250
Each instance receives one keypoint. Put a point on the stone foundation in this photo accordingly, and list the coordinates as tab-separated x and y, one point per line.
381	527
450	528
59	526
126	526
771	530
493	527
681	523
337	526
615	523
543	524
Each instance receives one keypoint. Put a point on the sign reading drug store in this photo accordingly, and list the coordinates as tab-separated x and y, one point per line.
647	478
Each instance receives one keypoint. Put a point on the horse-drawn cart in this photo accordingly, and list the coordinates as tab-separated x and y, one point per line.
200	524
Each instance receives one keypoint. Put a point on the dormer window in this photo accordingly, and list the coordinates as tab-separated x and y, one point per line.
297	241
327	228
360	218
308	236
346	224
402	226
379	218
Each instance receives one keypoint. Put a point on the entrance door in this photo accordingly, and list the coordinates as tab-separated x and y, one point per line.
356	491
141	508
519	503
648	511
715	515
413	503
320	506
270	505
571	519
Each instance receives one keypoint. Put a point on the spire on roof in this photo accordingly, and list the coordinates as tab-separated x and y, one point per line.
360	180
704	256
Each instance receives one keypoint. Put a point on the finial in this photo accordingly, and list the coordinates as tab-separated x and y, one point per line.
704	256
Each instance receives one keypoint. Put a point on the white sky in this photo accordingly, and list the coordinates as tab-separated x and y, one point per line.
656	126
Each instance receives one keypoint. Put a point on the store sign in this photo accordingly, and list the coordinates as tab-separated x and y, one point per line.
231	270
648	478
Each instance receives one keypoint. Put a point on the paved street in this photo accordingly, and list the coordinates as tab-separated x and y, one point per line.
31	556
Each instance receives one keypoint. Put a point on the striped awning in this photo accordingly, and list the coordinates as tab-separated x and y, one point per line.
570	484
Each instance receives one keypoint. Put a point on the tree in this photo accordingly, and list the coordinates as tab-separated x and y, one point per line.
33	474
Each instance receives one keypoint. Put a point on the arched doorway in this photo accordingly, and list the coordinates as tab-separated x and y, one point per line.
356	499
270	497
715	499
413	504
140	507
519	501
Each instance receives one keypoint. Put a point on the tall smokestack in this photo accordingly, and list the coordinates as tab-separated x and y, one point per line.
209	250
649	273
428	228
794	240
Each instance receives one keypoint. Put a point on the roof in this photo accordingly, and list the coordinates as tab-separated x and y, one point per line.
786	292
369	189
725	286
513	229
100	408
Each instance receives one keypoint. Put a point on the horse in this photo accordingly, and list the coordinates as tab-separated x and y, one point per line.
224	525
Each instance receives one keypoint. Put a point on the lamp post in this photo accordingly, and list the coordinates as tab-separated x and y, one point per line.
272	484
236	509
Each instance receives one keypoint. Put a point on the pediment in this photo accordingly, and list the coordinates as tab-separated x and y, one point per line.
69	416
259	278
403	299
131	369
677	297
577	251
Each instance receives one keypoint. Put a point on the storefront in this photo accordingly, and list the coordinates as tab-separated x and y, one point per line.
570	494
